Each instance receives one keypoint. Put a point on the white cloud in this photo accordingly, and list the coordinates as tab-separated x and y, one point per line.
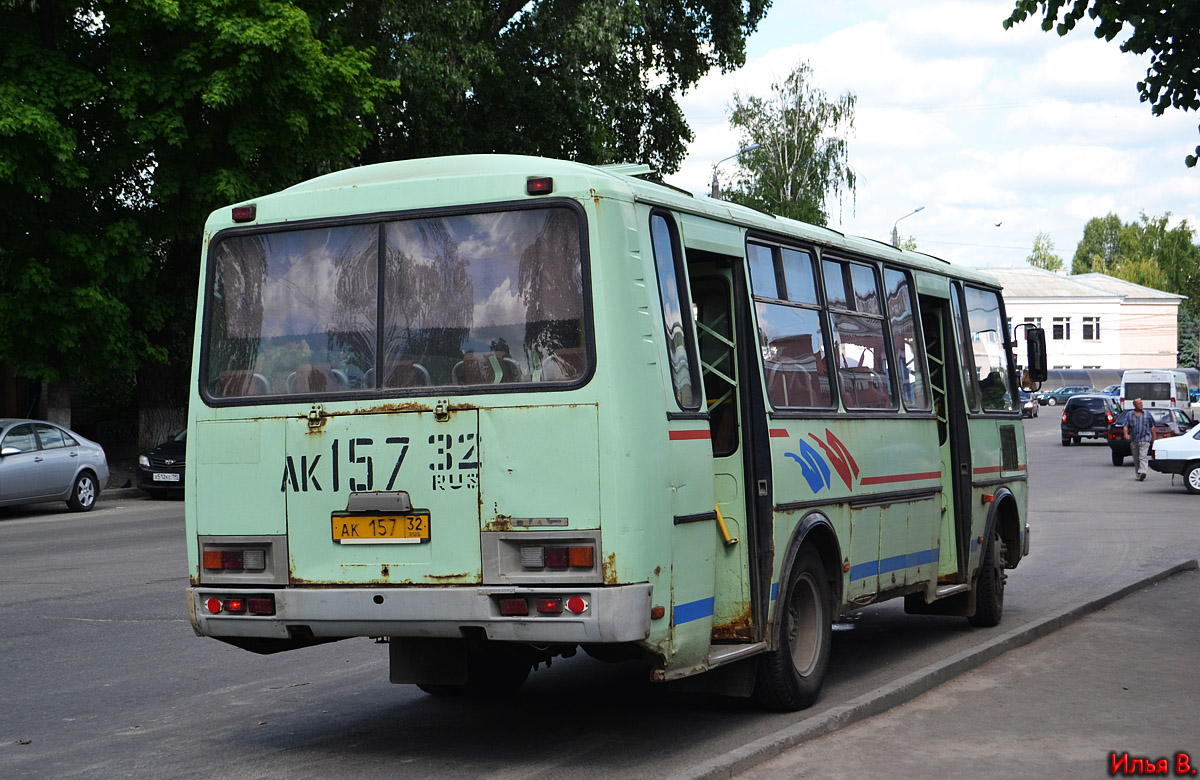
977	123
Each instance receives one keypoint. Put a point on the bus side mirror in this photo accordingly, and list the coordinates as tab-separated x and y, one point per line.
1035	346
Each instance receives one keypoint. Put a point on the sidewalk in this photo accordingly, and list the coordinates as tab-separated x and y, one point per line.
1123	679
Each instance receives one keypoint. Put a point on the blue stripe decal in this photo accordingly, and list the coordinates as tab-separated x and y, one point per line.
693	610
866	569
974	545
774	590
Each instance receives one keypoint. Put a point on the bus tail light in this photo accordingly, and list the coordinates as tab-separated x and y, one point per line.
515	607
235	560
579	556
241	605
550	606
577	605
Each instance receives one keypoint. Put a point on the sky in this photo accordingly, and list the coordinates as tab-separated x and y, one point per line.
977	124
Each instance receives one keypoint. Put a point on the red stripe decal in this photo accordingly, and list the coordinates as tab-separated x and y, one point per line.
997	469
686	435
779	433
900	478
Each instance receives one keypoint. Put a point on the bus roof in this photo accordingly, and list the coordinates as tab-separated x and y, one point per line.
572	179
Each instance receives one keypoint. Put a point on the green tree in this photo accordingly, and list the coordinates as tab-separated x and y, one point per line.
1189	337
123	124
1043	253
1168	30
590	80
802	154
909	244
1099	246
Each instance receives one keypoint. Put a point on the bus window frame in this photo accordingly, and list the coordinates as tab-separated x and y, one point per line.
683	289
381	219
845	261
777	245
914	311
970	372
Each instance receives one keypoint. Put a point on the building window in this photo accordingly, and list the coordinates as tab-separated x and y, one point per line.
1062	328
1091	328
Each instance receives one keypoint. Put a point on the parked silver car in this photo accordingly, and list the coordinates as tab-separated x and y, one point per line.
40	461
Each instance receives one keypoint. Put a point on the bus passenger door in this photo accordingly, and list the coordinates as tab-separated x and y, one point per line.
712	297
953	439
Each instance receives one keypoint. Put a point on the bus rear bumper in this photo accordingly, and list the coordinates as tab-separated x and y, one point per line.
612	614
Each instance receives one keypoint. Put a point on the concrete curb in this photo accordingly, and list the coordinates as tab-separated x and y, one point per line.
908	687
113	493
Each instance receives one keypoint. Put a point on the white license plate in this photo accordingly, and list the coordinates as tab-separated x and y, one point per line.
165	477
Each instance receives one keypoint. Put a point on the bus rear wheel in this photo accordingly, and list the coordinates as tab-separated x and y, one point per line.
989	587
790	676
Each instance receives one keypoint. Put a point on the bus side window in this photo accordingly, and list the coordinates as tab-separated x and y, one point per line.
964	354
677	310
790	335
910	368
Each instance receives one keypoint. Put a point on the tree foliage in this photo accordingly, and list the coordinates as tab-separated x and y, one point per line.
1150	253
591	80
1169	31
1099	246
802	153
1043	255
123	123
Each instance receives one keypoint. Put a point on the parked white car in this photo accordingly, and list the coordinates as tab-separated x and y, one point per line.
40	461
1179	455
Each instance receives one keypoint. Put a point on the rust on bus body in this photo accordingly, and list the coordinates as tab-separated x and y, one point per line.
610	569
740	626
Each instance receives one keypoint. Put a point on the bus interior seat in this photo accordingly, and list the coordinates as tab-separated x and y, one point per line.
238	382
316	378
405	373
564	364
485	368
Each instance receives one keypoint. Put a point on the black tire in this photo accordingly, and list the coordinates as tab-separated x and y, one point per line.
1076	440
1035	411
443	690
1191	478
1066	440
989	586
1117	458
1051	401
84	493
790	676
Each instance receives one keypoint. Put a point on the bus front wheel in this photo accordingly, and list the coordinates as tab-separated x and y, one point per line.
789	677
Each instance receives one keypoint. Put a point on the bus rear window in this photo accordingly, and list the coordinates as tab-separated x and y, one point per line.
462	300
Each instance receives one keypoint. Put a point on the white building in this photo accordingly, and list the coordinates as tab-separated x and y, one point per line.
1093	320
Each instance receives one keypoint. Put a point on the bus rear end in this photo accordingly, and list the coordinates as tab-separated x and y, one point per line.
371	385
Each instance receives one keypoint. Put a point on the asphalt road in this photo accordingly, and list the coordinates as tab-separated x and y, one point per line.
103	677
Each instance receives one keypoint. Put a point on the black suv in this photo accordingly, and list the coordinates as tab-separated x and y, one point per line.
1088	415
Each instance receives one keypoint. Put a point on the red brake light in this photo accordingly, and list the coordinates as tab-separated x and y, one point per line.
235	604
550	606
261	605
514	607
576	605
244	213
1110	419
1064	415
558	557
213	605
540	186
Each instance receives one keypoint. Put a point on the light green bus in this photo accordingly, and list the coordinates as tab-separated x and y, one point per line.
492	409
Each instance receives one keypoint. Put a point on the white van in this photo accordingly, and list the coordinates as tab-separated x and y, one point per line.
1159	388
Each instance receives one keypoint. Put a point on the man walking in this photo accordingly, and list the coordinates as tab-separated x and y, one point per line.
1139	431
